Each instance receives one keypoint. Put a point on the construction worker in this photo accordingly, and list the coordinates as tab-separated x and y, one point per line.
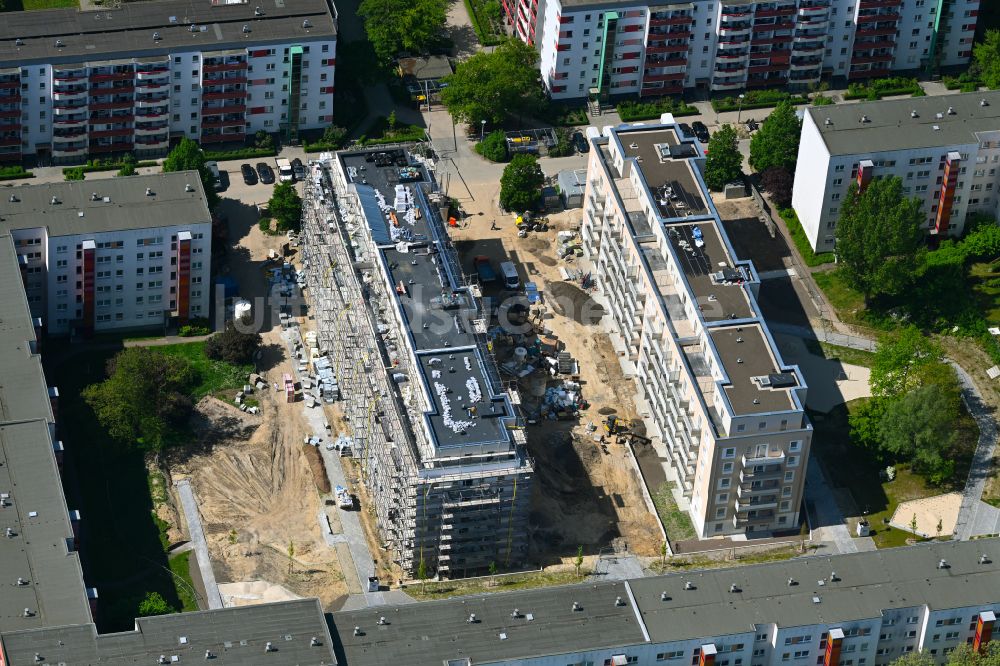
493	226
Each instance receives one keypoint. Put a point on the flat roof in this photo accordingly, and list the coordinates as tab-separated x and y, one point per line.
470	408
127	32
110	204
670	179
426	68
715	280
34	508
890	125
233	636
865	584
747	357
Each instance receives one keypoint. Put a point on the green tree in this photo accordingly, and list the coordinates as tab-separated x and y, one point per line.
333	137
285	206
394	26
879	237
128	166
232	345
154	604
76	173
490	86
724	163
919	427
864	424
188	156
776	143
987	57
494	147
145	401
493	572
422	574
521	183
900	359
578	560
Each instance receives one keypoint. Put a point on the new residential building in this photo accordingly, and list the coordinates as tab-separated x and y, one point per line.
597	49
864	609
437	434
718	401
77	83
945	148
116	253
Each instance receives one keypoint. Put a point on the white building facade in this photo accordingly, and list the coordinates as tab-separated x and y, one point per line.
213	74
945	149
618	48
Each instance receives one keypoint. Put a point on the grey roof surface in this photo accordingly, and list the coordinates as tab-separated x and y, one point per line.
572	182
439	312
128	32
746	354
867	583
35	509
435	631
659	173
716	300
129	207
426	68
233	635
890	125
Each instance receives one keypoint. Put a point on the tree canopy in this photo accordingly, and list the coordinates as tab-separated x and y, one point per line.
145	401
776	143
987	57
900	360
879	237
521	183
962	655
490	86
232	345
919	428
724	163
778	182
395	26
285	206
154	604
188	156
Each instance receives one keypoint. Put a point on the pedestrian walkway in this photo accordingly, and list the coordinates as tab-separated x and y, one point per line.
975	517
197	533
827	522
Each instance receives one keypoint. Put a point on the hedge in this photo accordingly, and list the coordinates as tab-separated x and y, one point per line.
757	99
631	110
97	165
14	172
879	88
798	235
241	154
963	82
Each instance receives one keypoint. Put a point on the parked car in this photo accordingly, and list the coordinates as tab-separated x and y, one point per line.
686	130
265	172
700	131
298	169
213	168
581	143
249	175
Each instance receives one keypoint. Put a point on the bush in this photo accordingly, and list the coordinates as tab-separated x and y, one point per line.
756	99
263	141
14	172
197	326
822	100
74	173
240	154
109	165
386	130
494	147
232	345
630	110
265	225
564	144
879	88
333	138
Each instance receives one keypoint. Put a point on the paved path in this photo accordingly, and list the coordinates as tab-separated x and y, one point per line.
976	517
197	534
827	522
617	567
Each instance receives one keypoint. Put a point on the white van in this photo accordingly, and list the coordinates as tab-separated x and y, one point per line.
285	174
509	273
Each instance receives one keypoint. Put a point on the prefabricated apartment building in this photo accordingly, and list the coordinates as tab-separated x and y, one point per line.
437	433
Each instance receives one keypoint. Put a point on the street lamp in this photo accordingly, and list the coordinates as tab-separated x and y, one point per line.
739	110
482	129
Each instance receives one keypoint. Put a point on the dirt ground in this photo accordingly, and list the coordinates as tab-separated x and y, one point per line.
257	494
583	496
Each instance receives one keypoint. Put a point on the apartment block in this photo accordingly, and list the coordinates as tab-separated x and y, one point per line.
945	149
717	398
116	253
863	609
602	49
438	436
135	78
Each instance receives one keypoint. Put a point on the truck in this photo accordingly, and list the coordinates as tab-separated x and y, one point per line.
285	173
484	269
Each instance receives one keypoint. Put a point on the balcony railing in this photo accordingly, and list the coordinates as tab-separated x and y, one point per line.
220	110
764	459
225	67
120	146
219	138
111	76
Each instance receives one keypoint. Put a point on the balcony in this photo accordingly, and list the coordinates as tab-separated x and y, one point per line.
10	125
150	86
147	130
679	76
67	110
813	11
781	11
70	122
118	131
729	33
808	47
878	4
68	151
779	39
225	67
153	74
676	20
235	94
119	90
66	95
868	73
223	81
813	25
869	18
875	32
150	116
112	76
68	78
152	144
10	98
150	102
652	90
770	502
107	106
119	146
870	58
231	122
221	138
10	140
666	62
775	458
66	137
221	110
667	48
772	67
876	44
736	16
11	84
727	85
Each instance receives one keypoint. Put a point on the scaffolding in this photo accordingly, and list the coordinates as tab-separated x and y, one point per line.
452	516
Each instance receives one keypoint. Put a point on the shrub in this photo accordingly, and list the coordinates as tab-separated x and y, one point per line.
109	165
879	88
822	100
333	138
263	141
197	326
265	225
494	147
757	99
240	154
74	173
630	110
232	345
14	172
564	146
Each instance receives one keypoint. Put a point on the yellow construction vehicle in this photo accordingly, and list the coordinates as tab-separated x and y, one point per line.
614	425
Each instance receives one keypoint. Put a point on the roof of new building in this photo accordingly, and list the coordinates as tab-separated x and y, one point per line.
720	602
42	574
889	125
128	31
296	631
110	204
756	383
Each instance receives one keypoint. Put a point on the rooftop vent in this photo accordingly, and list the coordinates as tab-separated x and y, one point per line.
689	585
20	42
156	36
577	606
94	196
914	114
664	596
942	564
28	612
193	28
21	582
268	647
791	582
739	339
382	621
739	360
951	110
515	613
834	577
827	122
734	588
246	28
257	11
619	602
984	559
756	401
59	44
149	191
13	198
472	618
9	533
315	642
188	188
982	102
163	659
357	631
865	119
817	600
306	24
55	200
939	115
38	657
935	127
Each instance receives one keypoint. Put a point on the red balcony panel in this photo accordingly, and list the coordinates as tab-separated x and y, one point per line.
10	141
875	4
677	76
229	67
10	157
782	11
858	60
869	73
117	76
780	58
100	92
121	131
10	99
669	62
220	138
878	18
877	44
773	67
10	126
223	82
13	113
678	20
234	94
105	106
677	34
98	119
875	32
10	85
221	110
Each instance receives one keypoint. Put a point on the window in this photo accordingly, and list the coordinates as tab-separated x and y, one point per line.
669	656
727	468
729	453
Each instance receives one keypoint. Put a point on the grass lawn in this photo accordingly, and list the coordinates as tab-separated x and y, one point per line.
215	376
849	304
180	566
31	5
855	469
684	562
842	354
677	523
525	581
984	279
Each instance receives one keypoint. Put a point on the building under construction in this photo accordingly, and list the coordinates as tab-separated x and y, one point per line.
437	434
